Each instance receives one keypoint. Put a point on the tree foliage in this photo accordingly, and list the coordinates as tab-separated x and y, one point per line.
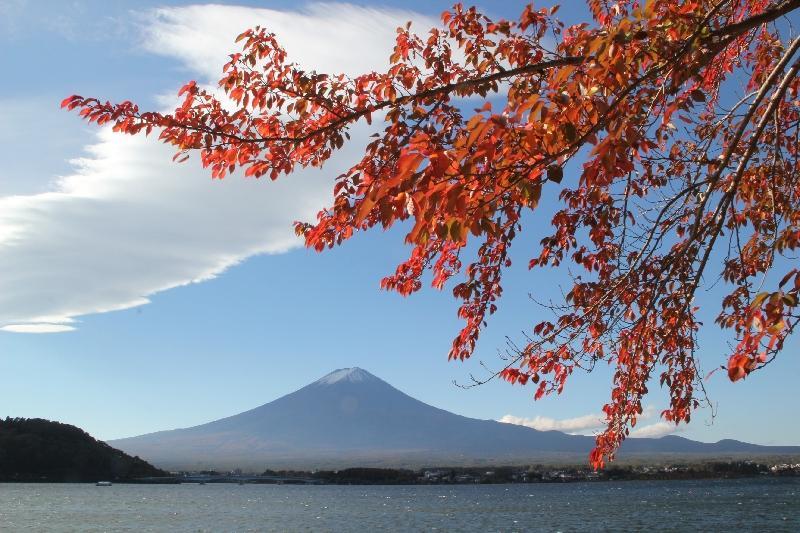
679	182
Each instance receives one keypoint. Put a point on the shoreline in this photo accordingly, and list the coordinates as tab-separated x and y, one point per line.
534	474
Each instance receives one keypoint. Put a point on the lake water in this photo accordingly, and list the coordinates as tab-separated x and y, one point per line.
721	505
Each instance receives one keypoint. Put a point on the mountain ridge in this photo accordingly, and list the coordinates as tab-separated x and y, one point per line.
350	417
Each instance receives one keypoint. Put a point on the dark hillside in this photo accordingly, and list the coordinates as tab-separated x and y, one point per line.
33	449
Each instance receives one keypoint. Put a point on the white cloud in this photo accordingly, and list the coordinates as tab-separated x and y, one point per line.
37	328
652	431
328	37
580	425
128	222
36	151
586	424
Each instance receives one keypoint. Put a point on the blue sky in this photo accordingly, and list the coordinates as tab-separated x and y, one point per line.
186	299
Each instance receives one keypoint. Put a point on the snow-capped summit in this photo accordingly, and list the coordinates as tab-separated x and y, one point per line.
350	375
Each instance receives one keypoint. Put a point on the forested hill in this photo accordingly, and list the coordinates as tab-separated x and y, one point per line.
33	449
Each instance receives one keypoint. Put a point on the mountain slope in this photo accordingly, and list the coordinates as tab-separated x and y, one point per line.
351	417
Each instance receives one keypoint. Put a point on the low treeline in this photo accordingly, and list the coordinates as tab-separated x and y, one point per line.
538	473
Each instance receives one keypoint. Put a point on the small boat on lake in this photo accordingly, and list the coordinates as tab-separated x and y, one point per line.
103	484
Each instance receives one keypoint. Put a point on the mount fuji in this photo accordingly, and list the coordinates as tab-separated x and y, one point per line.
352	418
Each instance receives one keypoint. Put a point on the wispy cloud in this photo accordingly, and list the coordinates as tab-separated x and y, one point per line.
658	429
128	223
35	151
579	425
10	13
590	424
327	37
37	328
73	21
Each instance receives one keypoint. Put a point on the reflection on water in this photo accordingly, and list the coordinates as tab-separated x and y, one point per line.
722	505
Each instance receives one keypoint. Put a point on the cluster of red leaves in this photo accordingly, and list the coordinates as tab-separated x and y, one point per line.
653	200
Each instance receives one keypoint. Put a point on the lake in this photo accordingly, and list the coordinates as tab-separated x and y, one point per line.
709	505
